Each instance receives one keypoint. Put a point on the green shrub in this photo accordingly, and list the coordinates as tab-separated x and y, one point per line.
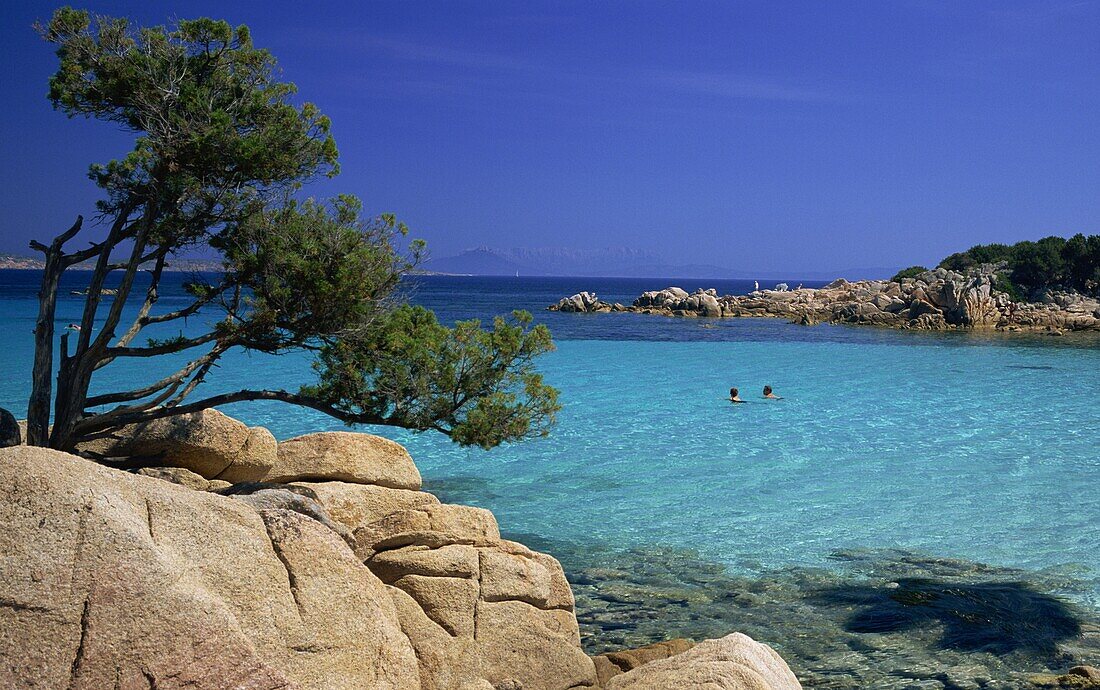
1004	284
911	272
1052	262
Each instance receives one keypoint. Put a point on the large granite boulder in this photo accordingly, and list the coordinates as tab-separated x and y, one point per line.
709	306
611	664
115	580
10	432
344	456
970	302
480	611
207	442
579	303
734	662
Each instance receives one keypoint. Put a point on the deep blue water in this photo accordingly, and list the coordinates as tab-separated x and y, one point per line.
973	446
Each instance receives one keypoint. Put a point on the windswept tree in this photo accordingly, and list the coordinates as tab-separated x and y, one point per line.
220	154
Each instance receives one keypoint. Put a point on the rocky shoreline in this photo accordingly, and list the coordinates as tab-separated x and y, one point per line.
226	559
230	560
936	300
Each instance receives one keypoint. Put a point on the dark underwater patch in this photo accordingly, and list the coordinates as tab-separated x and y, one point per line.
876	618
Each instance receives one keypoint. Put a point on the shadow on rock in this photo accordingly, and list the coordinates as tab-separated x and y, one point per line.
993	617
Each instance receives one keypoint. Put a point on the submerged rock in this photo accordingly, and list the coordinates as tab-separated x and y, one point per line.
879	619
1080	677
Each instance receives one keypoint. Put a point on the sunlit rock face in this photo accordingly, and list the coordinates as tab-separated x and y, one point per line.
111	579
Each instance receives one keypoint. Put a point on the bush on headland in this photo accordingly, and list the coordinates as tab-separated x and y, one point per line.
911	272
1052	262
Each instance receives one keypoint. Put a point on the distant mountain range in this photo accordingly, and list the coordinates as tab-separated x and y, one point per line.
614	262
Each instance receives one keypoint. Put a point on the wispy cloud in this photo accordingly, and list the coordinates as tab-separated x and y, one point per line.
437	54
721	84
730	85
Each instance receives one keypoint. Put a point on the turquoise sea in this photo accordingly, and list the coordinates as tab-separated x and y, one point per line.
980	448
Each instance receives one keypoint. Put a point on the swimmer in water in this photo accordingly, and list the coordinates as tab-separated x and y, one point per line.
734	397
769	395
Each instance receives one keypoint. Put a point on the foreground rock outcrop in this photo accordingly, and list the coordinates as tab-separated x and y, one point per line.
734	661
323	566
934	300
116	580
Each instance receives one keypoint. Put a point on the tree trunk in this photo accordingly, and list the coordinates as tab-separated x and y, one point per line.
74	376
38	407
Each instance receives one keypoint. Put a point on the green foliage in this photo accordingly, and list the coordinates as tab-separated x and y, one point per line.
220	152
166	342
911	272
311	270
1050	262
477	385
977	255
1003	283
217	129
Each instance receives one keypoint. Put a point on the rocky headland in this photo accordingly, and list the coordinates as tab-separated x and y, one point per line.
935	300
220	558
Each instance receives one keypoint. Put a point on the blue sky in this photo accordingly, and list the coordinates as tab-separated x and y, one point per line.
778	136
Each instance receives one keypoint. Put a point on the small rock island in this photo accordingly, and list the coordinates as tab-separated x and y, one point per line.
934	300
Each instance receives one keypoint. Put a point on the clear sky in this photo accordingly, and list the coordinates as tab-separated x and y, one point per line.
764	135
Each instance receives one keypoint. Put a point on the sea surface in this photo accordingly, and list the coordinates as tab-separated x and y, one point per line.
976	449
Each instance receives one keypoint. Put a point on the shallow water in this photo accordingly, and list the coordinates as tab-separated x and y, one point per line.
983	448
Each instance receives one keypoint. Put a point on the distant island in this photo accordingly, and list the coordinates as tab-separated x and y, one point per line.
610	262
30	263
1050	286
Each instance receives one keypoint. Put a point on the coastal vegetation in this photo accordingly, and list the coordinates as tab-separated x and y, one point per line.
1052	262
911	272
221	151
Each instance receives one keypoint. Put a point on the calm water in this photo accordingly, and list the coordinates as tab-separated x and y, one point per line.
974	447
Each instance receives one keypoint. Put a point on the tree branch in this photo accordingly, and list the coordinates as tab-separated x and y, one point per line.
95	286
151	297
114	315
154	350
138	394
92	424
188	310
